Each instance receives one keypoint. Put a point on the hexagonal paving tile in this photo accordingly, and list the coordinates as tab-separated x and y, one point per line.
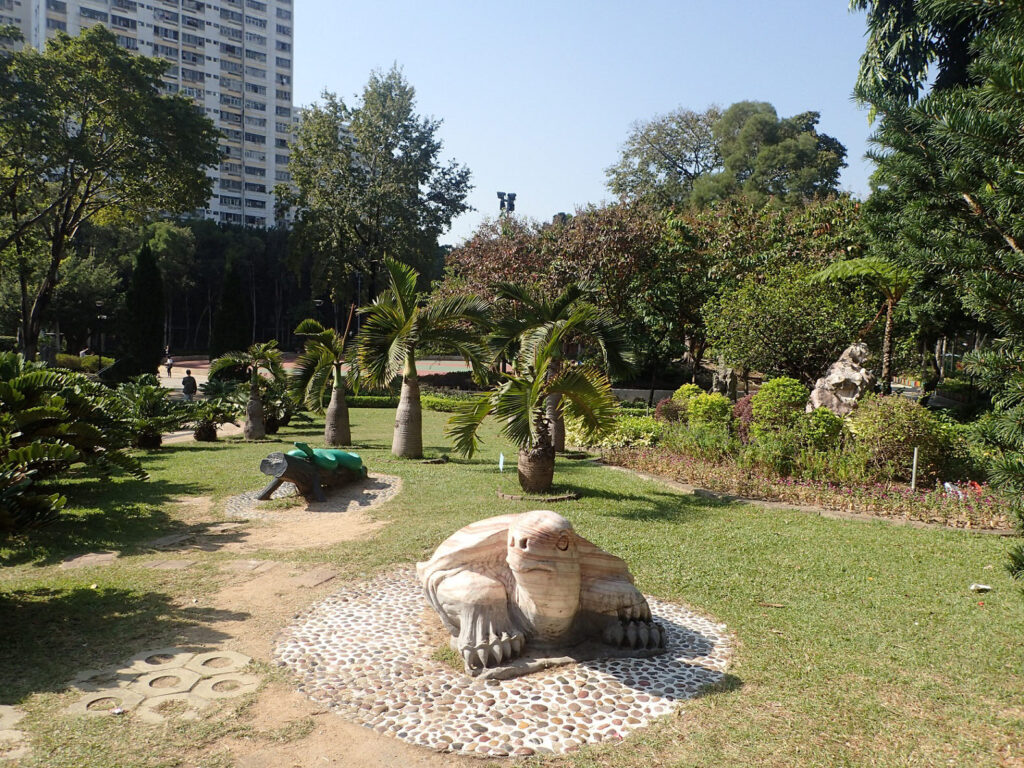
9	716
154	661
226	686
101	703
218	663
92	680
173	680
159	709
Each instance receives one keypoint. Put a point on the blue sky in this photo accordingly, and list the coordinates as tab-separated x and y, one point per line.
537	97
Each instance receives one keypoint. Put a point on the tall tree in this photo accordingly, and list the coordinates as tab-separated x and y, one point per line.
85	129
397	324
232	320
664	156
174	247
368	182
764	156
253	361
142	331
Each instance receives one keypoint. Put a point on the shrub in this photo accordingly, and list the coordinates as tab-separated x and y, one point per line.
445	401
775	451
87	363
149	411
714	410
777	405
669	410
372	401
686	392
886	430
630	431
821	429
205	416
743	416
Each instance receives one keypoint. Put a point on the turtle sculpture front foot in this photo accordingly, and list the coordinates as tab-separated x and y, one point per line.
494	650
633	628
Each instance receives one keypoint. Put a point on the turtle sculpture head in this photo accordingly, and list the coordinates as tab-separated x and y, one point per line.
506	582
543	557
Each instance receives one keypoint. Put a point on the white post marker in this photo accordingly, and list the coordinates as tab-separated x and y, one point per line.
913	472
501	462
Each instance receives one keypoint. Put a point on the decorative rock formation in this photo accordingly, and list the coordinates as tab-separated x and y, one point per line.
508	582
845	382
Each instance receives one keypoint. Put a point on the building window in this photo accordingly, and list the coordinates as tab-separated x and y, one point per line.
259	106
232	135
89	13
255	203
192	58
164	32
283	46
231	201
57	5
230	66
254	21
194	40
230	83
255	138
256	88
231	101
166	51
282	176
231	33
283	127
168	16
283	62
283	95
284	13
231	218
283	111
284	30
54	24
127	5
256	55
234	16
283	79
231	185
252	170
195	93
192	23
256	122
192	76
231	117
281	143
129	43
252	37
281	159
255	221
256	5
251	186
252	154
230	168
256	72
231	50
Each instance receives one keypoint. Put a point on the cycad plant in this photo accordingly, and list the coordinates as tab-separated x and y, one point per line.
150	411
397	325
891	280
519	403
254	360
530	319
321	366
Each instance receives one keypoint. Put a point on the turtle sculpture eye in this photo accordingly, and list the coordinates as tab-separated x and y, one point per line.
563	542
523	542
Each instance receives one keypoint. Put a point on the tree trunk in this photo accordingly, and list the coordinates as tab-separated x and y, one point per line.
557	422
336	424
254	427
536	469
407	442
887	350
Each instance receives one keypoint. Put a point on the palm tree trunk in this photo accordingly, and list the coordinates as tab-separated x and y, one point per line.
336	426
407	442
537	464
887	350
557	422
254	427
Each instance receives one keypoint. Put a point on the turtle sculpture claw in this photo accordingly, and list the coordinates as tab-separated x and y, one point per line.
505	583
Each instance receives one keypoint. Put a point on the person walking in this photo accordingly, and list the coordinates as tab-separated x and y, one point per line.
189	386
168	361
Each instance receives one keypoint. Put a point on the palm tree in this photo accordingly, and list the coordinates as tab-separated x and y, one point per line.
889	279
533	318
396	326
519	403
257	358
321	365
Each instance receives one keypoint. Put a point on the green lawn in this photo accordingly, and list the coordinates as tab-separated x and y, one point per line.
878	655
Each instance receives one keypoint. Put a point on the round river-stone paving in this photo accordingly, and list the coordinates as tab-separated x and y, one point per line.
365	653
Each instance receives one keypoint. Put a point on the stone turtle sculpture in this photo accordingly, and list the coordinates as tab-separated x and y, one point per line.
506	582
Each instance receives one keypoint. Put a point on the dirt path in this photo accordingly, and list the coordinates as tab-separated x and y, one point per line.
258	597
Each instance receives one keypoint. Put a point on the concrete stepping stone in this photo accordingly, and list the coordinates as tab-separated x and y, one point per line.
92	680
9	716
315	577
226	686
89	559
253	566
169	565
104	703
218	663
174	680
172	541
157	661
13	744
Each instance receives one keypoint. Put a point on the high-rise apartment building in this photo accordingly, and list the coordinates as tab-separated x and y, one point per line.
233	57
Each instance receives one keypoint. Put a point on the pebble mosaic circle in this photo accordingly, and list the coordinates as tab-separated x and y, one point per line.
365	652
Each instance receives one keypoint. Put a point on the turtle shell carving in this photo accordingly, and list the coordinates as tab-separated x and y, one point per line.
505	583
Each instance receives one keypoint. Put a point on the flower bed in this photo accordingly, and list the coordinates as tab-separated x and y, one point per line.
961	507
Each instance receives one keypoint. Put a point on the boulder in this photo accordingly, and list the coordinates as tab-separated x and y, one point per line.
845	382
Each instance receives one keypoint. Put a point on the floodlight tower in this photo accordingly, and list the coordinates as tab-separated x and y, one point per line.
507	203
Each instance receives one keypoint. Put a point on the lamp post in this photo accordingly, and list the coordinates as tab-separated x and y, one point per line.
507	202
103	337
